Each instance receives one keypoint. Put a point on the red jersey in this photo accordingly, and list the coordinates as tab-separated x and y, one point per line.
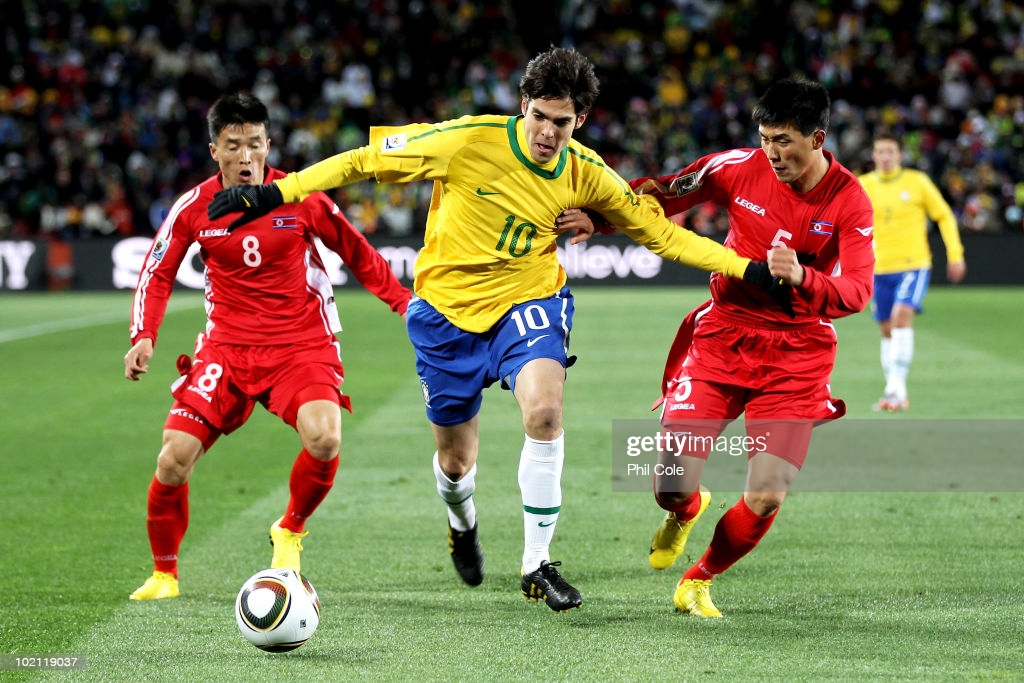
265	282
830	227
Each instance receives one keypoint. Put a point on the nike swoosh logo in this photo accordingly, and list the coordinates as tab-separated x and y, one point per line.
535	340
483	193
865	231
247	204
543	524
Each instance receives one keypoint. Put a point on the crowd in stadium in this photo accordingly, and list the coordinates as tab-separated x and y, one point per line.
102	106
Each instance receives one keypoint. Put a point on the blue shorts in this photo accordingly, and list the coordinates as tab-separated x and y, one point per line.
455	366
907	288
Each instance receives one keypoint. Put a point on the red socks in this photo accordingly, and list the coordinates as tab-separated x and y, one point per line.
310	482
167	507
686	510
166	522
738	531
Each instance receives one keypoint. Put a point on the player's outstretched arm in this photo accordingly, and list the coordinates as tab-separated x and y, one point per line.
363	260
673	242
258	200
584	222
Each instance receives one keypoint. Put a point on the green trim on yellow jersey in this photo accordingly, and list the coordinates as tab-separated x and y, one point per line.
446	129
627	191
513	142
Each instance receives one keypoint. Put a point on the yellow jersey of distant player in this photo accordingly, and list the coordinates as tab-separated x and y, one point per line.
904	200
490	233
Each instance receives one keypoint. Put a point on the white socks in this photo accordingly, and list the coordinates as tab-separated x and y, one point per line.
540	477
901	354
886	356
459	497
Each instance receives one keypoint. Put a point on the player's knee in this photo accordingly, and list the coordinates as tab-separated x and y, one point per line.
175	462
764	503
323	444
543	421
902	315
455	461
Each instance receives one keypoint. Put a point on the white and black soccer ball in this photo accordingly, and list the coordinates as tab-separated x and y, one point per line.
277	610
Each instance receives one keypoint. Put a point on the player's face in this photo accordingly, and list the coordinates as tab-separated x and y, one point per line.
796	158
549	126
886	155
241	150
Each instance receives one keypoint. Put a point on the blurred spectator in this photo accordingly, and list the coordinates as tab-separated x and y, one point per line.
6	223
362	209
397	216
118	211
103	104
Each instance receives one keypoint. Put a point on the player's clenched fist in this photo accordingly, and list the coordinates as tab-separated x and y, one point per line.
785	264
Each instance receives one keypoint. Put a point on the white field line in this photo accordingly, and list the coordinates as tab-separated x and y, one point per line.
79	323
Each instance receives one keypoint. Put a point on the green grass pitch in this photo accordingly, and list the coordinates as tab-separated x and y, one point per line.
849	586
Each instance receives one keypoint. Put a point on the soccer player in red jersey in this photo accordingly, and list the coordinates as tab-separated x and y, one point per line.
767	355
269	337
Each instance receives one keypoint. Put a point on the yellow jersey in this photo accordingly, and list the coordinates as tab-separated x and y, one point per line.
904	200
490	233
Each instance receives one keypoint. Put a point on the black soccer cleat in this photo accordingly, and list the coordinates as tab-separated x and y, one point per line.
467	555
548	585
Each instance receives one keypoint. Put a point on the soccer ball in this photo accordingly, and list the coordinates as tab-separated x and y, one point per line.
277	610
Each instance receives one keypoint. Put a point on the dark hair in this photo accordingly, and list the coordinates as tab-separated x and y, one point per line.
235	110
561	72
891	136
795	102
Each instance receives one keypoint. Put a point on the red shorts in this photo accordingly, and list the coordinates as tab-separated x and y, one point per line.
776	376
217	394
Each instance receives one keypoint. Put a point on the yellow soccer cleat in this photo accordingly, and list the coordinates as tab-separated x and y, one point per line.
694	596
670	539
287	547
157	587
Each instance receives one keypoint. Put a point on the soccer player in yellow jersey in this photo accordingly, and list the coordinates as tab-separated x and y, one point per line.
904	199
491	302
